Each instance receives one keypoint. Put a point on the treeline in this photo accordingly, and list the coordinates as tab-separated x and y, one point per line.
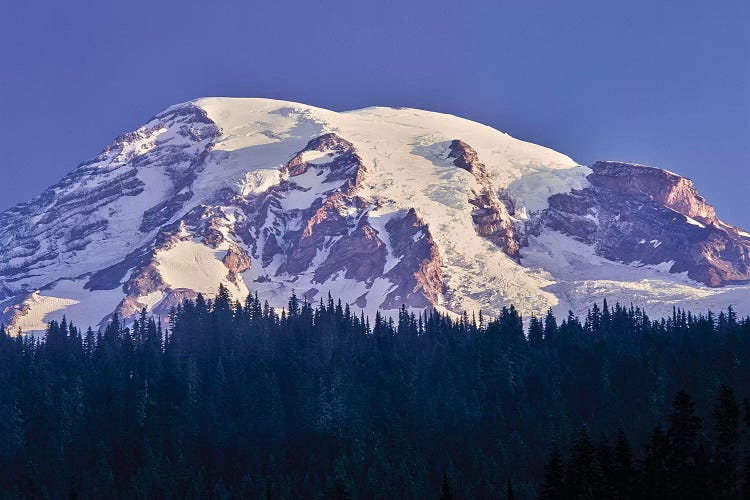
230	400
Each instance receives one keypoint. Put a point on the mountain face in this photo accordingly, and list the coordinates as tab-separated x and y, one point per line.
380	207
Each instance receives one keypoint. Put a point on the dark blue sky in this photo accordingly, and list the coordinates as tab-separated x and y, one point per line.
663	83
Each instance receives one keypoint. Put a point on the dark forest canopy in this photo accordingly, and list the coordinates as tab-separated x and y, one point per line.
231	400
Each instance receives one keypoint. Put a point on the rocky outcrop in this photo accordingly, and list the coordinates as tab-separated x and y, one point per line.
654	184
491	216
643	215
418	275
129	307
113	276
237	262
361	254
329	221
301	233
13	308
138	267
158	215
343	163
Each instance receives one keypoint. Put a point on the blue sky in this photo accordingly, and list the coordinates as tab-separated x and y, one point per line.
665	83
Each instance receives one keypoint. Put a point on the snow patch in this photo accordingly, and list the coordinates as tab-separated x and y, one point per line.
68	298
694	222
195	266
318	157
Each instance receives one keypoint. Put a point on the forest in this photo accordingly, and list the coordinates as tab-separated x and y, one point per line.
223	399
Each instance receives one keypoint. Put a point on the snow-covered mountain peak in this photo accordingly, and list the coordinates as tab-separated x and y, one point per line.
379	206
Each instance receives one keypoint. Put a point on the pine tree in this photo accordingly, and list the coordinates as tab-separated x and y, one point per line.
553	486
684	437
550	326
584	476
510	495
623	470
746	478
337	490
446	493
294	308
727	422
536	332
656	479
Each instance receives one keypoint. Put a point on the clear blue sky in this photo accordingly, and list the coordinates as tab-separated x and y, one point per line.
661	83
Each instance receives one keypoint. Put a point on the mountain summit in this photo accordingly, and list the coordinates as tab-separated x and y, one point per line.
380	207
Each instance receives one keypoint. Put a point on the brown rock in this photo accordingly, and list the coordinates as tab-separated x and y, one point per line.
633	213
491	216
237	262
362	254
418	276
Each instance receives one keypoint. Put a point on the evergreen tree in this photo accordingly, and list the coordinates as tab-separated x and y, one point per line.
684	437
553	486
584	476
657	480
446	493
234	399
623	470
727	439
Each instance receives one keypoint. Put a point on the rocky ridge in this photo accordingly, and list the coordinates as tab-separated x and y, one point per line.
638	214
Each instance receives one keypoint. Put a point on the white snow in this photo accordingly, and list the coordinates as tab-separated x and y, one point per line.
694	222
195	266
579	278
151	300
312	186
318	157
40	308
68	298
258	181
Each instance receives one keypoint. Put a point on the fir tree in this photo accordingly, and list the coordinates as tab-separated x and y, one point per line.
446	493
553	486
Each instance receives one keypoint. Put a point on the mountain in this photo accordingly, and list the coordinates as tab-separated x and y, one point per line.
380	207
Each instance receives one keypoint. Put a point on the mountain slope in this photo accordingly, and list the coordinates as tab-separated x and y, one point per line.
379	206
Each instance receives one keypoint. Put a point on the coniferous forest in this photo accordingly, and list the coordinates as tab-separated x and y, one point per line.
230	400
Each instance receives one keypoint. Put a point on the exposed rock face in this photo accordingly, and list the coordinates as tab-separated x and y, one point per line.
633	213
492	219
161	213
418	276
237	261
11	309
330	178
345	164
361	254
657	185
328	221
